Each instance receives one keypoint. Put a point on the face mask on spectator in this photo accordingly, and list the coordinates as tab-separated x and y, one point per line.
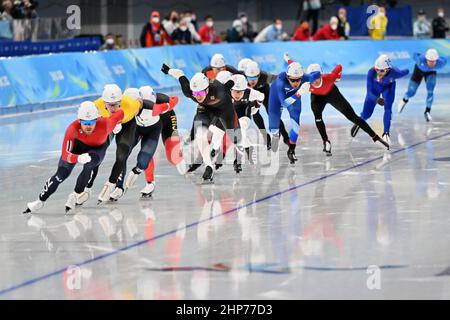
183	28
333	26
210	23
155	20
279	27
244	19
421	18
175	19
441	14
110	41
382	13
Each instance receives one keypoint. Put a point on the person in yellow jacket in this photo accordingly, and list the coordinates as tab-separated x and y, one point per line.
111	101
378	25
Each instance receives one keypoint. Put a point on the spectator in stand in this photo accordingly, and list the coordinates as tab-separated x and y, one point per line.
207	32
303	32
109	43
422	27
192	25
328	31
378	25
311	9
247	29
439	25
153	35
343	26
170	23
273	32
235	34
27	8
10	11
182	35
119	42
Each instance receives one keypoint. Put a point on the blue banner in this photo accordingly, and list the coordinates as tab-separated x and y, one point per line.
24	48
30	83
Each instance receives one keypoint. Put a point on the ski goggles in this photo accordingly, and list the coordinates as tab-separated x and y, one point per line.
88	122
199	93
113	104
294	80
381	70
252	78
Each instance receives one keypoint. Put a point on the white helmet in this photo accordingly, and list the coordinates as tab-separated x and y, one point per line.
295	70
383	62
133	93
223	76
431	55
243	63
111	93
199	82
147	93
240	82
87	111
313	68
217	61
252	69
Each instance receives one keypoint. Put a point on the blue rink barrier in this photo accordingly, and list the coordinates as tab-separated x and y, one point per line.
44	81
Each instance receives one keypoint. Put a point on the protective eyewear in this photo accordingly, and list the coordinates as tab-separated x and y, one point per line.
252	78
381	70
88	122
199	93
295	80
113	105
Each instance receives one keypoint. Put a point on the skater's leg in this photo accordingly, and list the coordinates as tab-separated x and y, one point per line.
52	184
430	81
149	172
388	96
85	175
369	105
124	141
294	114
317	106
338	101
259	121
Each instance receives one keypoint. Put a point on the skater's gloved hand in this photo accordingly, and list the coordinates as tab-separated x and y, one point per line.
176	73
159	108
255	110
165	68
380	101
304	89
286	57
117	128
84	158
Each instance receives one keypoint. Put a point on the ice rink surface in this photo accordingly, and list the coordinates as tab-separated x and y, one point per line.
362	224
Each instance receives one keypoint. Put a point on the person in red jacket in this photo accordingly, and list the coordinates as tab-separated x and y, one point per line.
324	91
328	31
153	34
85	142
207	33
303	32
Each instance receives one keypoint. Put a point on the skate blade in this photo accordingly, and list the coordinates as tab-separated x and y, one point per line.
206	182
146	195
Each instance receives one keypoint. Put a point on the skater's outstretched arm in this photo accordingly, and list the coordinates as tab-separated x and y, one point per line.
114	120
229	84
179	75
67	145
